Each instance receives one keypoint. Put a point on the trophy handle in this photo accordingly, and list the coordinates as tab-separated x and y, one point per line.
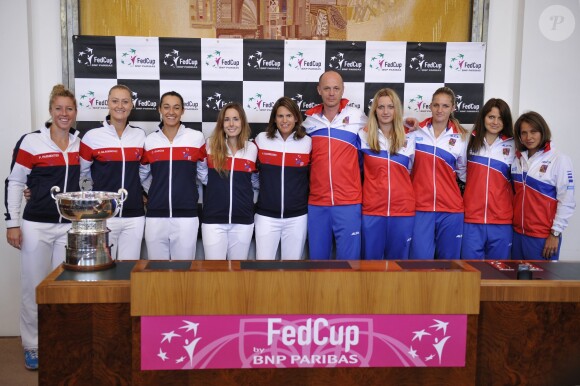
123	192
55	189
123	196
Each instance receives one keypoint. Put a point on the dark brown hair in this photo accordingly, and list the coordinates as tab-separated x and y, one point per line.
299	131
476	140
537	122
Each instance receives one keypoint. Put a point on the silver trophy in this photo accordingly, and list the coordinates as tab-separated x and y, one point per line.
88	246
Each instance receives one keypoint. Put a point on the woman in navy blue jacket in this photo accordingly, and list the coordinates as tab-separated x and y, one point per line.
42	159
168	173
229	176
283	161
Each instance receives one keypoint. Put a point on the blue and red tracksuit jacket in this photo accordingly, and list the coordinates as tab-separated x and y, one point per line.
169	172
544	186
113	163
387	186
39	164
437	163
488	195
283	169
335	168
229	198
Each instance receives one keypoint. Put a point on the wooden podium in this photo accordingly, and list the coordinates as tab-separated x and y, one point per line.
519	332
311	288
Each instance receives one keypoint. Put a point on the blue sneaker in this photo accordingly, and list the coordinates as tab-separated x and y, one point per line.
31	359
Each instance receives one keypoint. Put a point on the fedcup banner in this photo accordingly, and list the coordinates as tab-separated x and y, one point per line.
292	341
209	73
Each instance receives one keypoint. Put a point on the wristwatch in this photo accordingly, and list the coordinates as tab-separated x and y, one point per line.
555	233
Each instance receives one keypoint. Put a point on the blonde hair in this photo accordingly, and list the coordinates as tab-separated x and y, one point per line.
397	139
449	92
218	142
60	91
121	87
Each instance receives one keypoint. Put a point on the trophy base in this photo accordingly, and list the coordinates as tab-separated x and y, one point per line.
88	259
88	268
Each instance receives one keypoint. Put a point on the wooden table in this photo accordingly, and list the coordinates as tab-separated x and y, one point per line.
518	331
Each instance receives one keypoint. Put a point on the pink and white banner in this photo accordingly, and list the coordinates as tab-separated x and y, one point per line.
289	341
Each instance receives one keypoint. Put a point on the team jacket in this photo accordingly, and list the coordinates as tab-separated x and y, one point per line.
335	169
544	186
39	164
172	168
284	167
437	162
229	199
488	195
387	186
113	163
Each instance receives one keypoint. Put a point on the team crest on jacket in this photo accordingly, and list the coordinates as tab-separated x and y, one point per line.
506	151
452	142
298	161
346	119
543	168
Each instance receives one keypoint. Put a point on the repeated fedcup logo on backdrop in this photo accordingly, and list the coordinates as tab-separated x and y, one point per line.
468	100
346	58
211	72
95	57
385	62
180	58
425	62
304	94
259	99
222	59
303	60
264	60
137	57
464	64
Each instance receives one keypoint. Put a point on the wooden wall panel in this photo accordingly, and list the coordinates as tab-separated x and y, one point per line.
411	20
84	344
528	343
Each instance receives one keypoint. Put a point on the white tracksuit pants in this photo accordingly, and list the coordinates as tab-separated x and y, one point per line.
42	250
231	241
270	231
171	238
126	237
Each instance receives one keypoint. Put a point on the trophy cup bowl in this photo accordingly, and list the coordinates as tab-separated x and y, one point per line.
88	246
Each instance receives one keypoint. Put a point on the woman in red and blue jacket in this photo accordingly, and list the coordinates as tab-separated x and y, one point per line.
283	162
440	144
544	186
388	207
488	196
230	177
